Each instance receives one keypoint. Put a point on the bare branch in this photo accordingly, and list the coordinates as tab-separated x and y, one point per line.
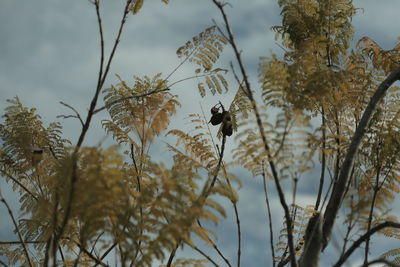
19	242
77	115
323	161
215	247
391	264
16	229
363	238
85	128
340	186
271	230
205	255
18	183
97	5
130	97
262	133
204	195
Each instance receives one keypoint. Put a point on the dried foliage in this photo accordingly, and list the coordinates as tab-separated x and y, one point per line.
204	50
81	203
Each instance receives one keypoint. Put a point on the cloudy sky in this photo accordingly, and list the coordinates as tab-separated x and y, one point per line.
49	52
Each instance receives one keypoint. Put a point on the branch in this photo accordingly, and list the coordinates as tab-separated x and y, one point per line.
97	4
85	128
391	264
262	133
323	162
16	229
235	208
205	256
130	97
19	183
214	245
271	230
77	115
19	242
339	187
363	238
88	253
203	196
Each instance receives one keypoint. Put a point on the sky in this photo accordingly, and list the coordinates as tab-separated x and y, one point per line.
49	52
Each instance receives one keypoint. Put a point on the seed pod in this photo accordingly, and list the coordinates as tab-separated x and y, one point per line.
226	115
227	128
216	118
214	110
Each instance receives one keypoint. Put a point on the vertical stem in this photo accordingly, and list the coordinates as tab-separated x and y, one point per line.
340	187
85	128
271	231
262	133
17	230
371	211
323	161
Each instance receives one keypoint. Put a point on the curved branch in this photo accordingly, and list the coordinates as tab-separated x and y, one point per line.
339	187
363	238
391	264
130	97
77	115
17	230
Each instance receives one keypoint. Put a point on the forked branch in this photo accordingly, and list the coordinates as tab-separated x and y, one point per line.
339	187
16	229
363	238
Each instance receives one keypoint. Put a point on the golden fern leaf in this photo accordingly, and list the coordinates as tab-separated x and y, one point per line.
143	117
204	50
300	218
197	146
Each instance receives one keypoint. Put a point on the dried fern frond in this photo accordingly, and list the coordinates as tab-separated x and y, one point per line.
204	50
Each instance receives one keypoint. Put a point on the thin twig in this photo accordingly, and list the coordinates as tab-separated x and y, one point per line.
371	212
130	97
350	226
215	247
16	229
78	258
97	4
18	183
140	205
262	133
323	161
203	196
271	230
95	242
363	238
205	255
172	255
389	263
85	128
77	115
235	208
88	253
340	186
